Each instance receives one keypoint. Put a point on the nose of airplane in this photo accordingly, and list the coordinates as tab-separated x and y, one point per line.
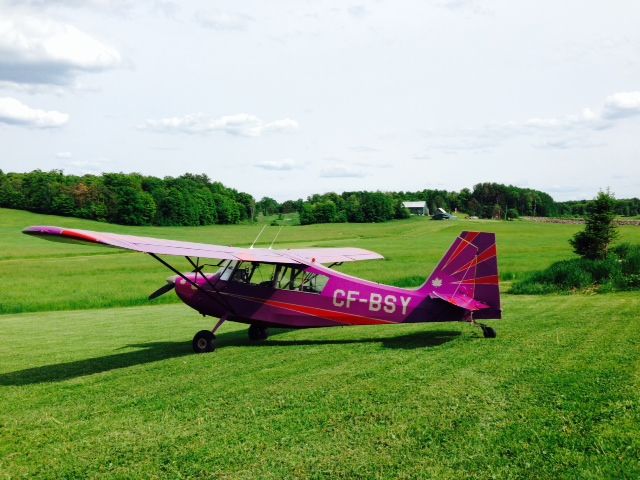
171	283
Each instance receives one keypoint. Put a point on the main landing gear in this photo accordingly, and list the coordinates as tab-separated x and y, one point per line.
257	333
204	340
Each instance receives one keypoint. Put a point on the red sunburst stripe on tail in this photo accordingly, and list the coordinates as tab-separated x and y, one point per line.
471	236
484	256
488	280
459	249
341	317
466	241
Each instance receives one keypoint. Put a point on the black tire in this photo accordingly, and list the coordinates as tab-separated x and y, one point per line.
204	342
257	333
488	332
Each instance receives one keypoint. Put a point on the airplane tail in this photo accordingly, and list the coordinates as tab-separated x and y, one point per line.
467	275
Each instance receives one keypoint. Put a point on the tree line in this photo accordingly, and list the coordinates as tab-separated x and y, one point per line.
627	207
485	200
135	199
127	199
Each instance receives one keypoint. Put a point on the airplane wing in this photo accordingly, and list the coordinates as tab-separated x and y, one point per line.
332	255
306	256
460	300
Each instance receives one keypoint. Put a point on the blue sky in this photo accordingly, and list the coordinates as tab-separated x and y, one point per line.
289	98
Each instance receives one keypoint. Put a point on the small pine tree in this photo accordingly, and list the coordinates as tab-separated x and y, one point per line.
600	230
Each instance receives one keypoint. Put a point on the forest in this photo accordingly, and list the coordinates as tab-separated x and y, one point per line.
127	199
195	199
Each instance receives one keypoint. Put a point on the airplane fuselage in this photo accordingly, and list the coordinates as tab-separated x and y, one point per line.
342	300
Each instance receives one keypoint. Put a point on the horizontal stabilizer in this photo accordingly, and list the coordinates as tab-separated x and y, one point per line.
460	300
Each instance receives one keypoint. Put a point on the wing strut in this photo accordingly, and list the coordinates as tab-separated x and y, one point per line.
194	284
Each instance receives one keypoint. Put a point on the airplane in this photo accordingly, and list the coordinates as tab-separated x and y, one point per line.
298	287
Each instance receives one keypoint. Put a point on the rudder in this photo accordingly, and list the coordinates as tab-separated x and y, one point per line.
470	268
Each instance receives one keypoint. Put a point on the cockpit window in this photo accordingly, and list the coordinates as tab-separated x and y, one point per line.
282	277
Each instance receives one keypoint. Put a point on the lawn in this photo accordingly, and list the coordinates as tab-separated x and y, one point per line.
116	392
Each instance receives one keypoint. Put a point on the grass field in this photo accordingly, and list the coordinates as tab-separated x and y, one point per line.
114	391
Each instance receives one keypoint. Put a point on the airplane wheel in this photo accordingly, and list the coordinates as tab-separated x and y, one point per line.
203	342
488	332
257	333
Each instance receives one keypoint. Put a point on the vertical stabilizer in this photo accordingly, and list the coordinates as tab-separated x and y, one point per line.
469	269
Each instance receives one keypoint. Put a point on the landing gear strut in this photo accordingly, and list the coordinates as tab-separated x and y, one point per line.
257	333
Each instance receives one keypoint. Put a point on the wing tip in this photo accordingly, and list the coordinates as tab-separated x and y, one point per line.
61	234
42	230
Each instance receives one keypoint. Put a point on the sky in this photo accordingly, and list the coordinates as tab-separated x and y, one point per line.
289	98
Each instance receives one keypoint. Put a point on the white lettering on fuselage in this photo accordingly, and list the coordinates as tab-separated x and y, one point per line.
387	303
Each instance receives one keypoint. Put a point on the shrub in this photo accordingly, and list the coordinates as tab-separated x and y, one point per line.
512	214
620	270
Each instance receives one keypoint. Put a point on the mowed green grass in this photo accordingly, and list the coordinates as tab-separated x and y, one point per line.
46	276
116	392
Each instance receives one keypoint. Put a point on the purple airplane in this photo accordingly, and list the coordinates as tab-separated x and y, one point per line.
297	288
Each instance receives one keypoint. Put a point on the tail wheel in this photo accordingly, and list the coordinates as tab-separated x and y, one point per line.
204	342
257	333
488	332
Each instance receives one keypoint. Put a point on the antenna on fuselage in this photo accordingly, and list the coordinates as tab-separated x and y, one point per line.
260	233
274	238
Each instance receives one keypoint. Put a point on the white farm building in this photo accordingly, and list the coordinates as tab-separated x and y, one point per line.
416	208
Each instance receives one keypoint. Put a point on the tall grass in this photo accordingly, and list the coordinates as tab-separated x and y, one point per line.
619	271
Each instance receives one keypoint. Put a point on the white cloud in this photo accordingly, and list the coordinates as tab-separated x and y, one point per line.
223	21
63	155
473	6
14	112
115	7
585	119
364	149
241	124
561	132
622	104
281	165
358	11
568	143
341	171
81	167
615	107
35	50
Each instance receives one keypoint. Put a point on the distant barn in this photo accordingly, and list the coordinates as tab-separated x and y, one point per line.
416	208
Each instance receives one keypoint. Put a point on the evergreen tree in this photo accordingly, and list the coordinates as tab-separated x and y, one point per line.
600	230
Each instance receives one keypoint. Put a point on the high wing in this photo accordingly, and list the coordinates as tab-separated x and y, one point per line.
294	256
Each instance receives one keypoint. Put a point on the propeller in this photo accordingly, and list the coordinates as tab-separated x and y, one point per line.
171	283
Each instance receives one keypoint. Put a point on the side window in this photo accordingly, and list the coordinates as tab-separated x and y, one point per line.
315	283
283	277
262	274
299	280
